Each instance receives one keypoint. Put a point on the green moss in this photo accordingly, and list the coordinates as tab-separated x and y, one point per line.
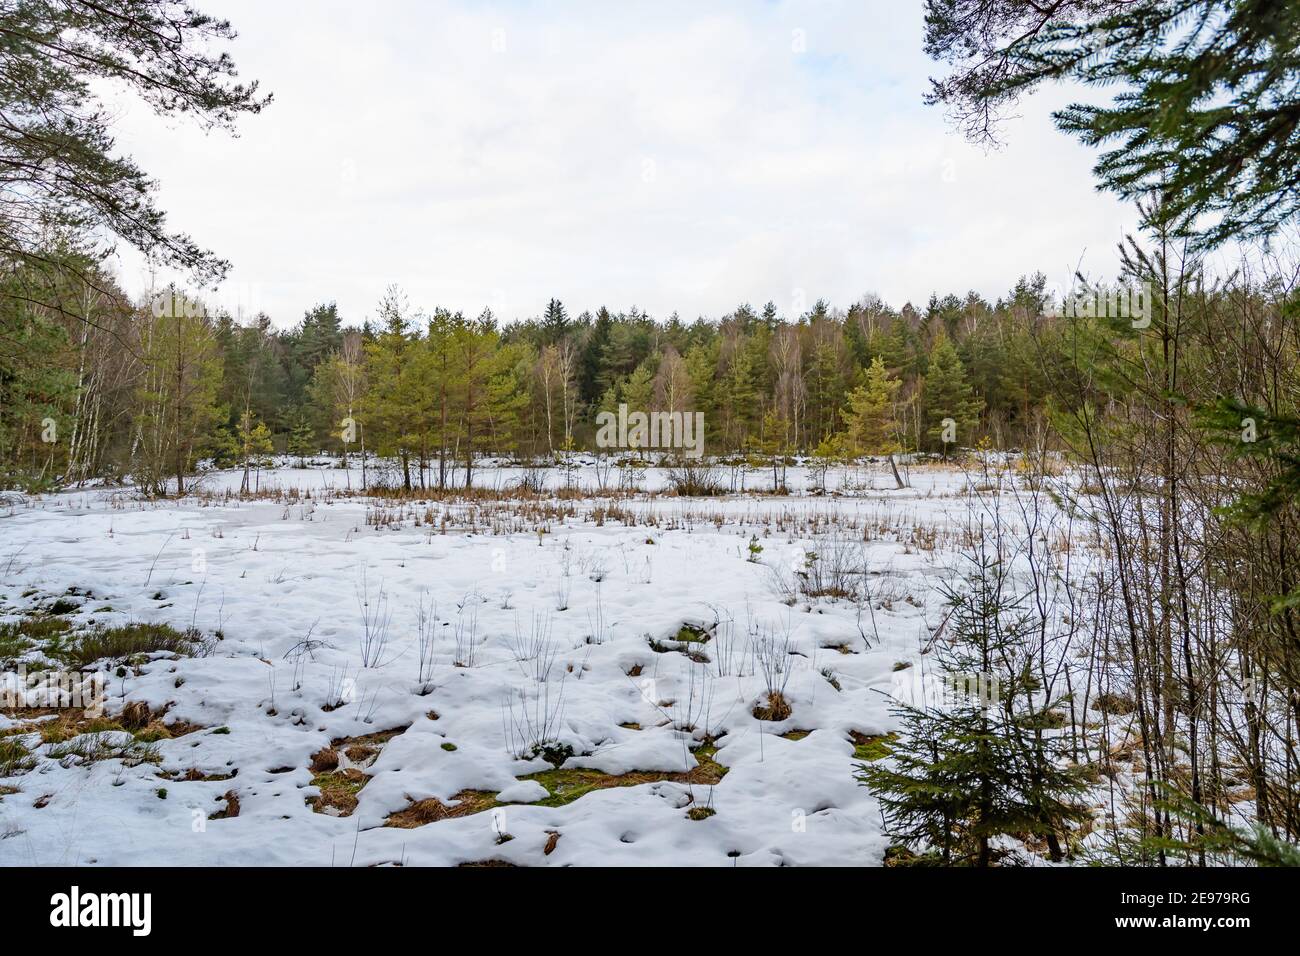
565	786
872	748
690	633
448	746
708	766
700	813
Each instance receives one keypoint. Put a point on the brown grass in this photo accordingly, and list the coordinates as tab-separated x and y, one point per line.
777	708
231	808
324	760
338	791
431	810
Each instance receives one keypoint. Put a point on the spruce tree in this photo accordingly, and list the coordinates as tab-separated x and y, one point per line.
555	323
302	437
948	397
979	765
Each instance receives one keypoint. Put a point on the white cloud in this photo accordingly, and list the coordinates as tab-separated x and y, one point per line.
652	154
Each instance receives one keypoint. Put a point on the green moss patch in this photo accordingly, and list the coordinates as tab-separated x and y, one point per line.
565	786
338	791
871	748
693	633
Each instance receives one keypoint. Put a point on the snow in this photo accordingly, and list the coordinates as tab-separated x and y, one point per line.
281	578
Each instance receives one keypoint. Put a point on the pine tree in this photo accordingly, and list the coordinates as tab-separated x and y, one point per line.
508	398
389	374
776	445
177	414
318	337
36	382
637	391
702	367
740	389
59	58
1208	116
869	424
951	408
825	382
476	355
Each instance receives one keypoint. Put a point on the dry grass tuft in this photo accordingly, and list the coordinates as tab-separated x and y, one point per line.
777	708
231	808
324	760
431	810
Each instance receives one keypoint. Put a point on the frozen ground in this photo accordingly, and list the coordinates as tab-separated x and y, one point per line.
568	634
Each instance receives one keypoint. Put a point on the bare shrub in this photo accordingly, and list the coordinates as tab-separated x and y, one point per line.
695	478
531	723
376	619
771	651
426	614
534	652
466	636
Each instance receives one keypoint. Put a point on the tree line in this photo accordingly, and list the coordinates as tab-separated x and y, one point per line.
97	387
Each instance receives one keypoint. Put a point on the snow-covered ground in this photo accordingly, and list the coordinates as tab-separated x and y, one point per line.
571	629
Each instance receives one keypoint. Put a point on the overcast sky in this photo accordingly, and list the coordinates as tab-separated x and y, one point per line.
674	156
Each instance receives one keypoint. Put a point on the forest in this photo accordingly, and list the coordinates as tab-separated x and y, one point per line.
1083	495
